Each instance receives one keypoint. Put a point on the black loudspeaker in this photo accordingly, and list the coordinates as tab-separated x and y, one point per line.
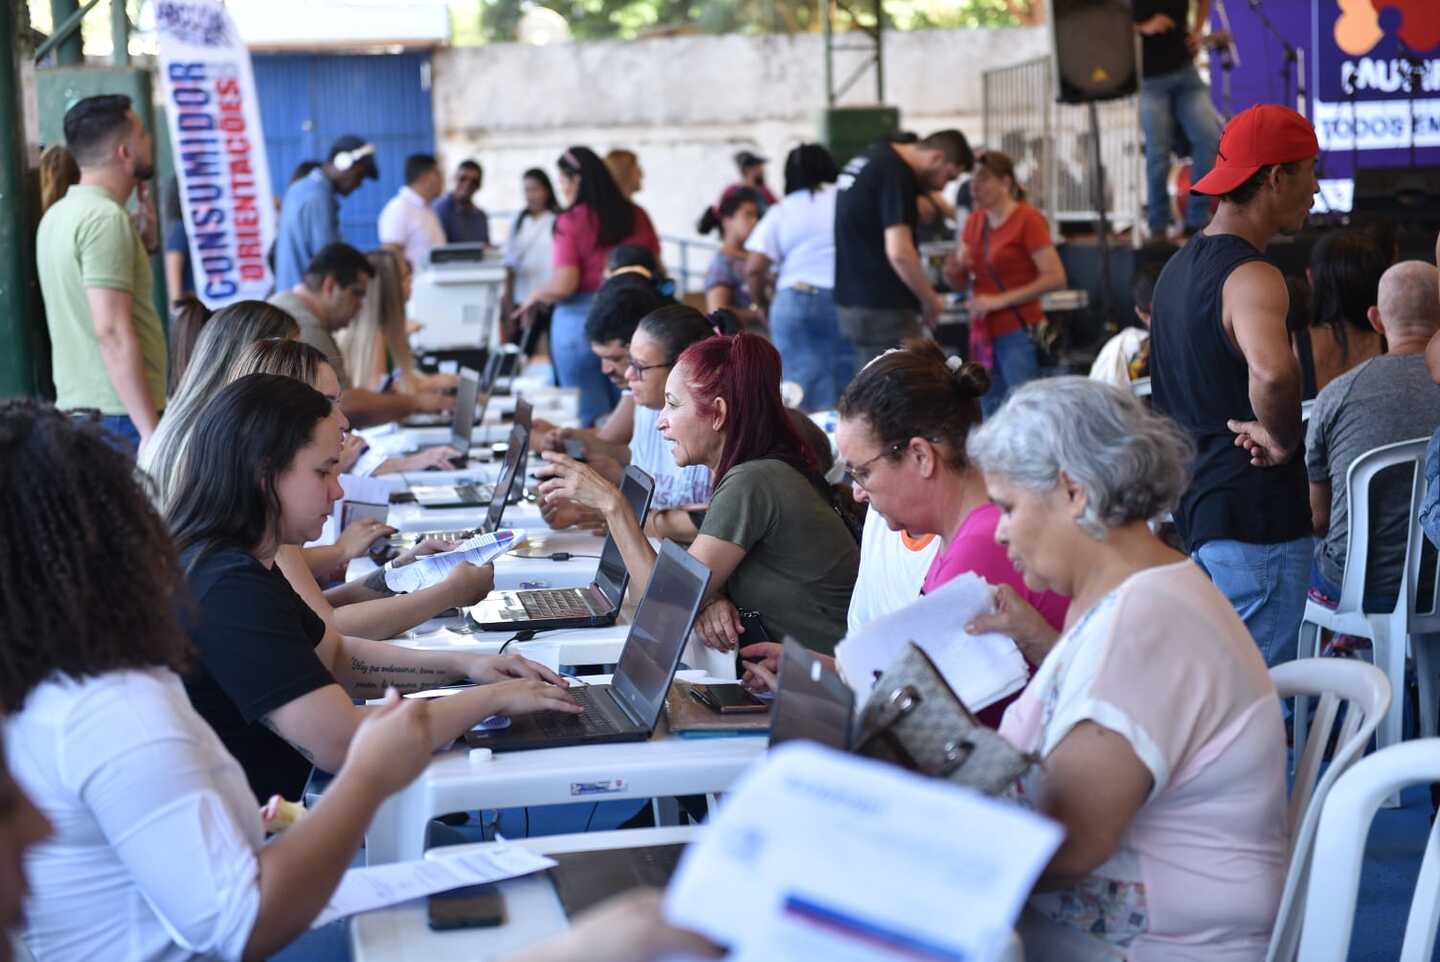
1094	43
1401	194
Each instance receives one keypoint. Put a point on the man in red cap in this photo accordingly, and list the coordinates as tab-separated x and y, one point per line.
1221	366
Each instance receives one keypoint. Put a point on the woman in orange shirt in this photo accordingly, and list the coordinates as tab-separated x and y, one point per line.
1005	250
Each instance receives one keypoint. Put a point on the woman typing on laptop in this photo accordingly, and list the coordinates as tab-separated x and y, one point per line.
364	607
771	538
272	679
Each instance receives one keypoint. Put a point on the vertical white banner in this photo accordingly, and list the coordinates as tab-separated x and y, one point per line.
219	149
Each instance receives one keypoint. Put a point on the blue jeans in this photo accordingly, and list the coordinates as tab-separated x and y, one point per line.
1177	97
1015	364
812	350
1267	584
575	364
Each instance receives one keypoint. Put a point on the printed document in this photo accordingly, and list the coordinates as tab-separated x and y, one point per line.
824	855
431	569
981	669
376	886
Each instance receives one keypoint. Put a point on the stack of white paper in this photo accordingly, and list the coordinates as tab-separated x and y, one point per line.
431	569
374	887
981	669
822	855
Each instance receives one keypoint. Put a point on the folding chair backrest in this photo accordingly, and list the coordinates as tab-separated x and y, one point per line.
1345	817
1363	692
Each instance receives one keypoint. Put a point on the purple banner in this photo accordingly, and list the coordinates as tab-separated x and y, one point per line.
1371	78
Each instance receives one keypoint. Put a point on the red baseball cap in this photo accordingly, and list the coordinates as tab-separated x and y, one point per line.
1262	135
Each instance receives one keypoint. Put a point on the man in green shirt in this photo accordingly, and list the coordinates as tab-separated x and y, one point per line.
108	342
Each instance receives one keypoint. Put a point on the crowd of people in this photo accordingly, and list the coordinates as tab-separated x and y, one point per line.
232	660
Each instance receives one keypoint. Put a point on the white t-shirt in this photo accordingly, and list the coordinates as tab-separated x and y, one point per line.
528	252
154	856
798	234
892	569
408	221
674	486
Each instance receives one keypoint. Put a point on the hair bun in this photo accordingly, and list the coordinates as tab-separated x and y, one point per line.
971	380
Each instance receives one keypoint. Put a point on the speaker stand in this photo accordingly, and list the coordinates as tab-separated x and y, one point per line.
1097	187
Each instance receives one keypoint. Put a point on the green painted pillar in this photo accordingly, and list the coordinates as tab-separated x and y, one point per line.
72	51
18	374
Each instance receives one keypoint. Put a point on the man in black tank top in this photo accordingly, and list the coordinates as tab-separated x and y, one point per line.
1221	366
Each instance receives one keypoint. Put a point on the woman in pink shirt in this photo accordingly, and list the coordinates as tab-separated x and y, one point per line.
597	219
904	422
1160	732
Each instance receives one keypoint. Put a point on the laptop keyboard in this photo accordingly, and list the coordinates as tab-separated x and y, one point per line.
555	603
476	493
556	724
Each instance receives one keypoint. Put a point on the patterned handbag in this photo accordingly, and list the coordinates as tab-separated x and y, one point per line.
915	720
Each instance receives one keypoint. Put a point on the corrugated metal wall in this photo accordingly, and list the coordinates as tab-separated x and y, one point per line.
307	100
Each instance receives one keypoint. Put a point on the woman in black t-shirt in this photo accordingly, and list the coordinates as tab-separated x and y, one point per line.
272	680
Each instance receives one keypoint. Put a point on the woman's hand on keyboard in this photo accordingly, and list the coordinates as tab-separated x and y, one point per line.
429	458
356	539
495	668
528	695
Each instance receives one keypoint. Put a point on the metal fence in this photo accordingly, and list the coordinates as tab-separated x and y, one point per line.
1050	145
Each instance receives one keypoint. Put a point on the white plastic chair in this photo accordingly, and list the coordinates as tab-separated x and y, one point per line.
1340	848
1305	408
1140	387
1365	695
1392	633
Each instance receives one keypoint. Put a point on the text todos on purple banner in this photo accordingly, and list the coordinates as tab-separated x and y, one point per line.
215	130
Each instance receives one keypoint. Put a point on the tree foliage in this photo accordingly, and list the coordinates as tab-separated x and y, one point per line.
499	20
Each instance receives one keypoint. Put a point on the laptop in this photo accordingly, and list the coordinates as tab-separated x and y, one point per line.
591	607
812	703
583	879
470	495
627	709
462	425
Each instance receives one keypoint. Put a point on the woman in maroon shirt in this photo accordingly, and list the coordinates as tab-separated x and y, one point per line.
1005	250
597	219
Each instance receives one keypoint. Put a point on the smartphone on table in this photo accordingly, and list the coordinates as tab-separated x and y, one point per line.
726	699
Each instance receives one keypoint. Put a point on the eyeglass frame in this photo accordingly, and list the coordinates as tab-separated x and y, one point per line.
894	450
640	369
849	476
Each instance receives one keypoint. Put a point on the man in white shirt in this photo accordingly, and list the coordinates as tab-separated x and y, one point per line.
408	224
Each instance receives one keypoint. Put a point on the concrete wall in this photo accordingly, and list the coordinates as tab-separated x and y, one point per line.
686	104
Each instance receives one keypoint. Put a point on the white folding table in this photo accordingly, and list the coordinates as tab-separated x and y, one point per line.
663	767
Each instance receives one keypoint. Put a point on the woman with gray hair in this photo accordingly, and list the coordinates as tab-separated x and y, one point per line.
1160	732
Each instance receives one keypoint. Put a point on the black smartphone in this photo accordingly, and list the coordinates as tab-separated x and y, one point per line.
575	449
471	907
726	699
752	630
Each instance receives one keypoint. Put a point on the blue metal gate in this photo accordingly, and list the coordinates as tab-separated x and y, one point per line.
308	100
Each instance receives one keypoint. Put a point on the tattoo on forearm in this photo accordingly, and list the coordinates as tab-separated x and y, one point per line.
375	679
305	753
375	581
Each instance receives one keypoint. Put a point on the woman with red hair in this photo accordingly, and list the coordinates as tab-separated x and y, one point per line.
772	537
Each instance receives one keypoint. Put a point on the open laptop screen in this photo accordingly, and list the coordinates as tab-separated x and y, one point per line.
514	456
812	703
662	623
611	576
464	421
